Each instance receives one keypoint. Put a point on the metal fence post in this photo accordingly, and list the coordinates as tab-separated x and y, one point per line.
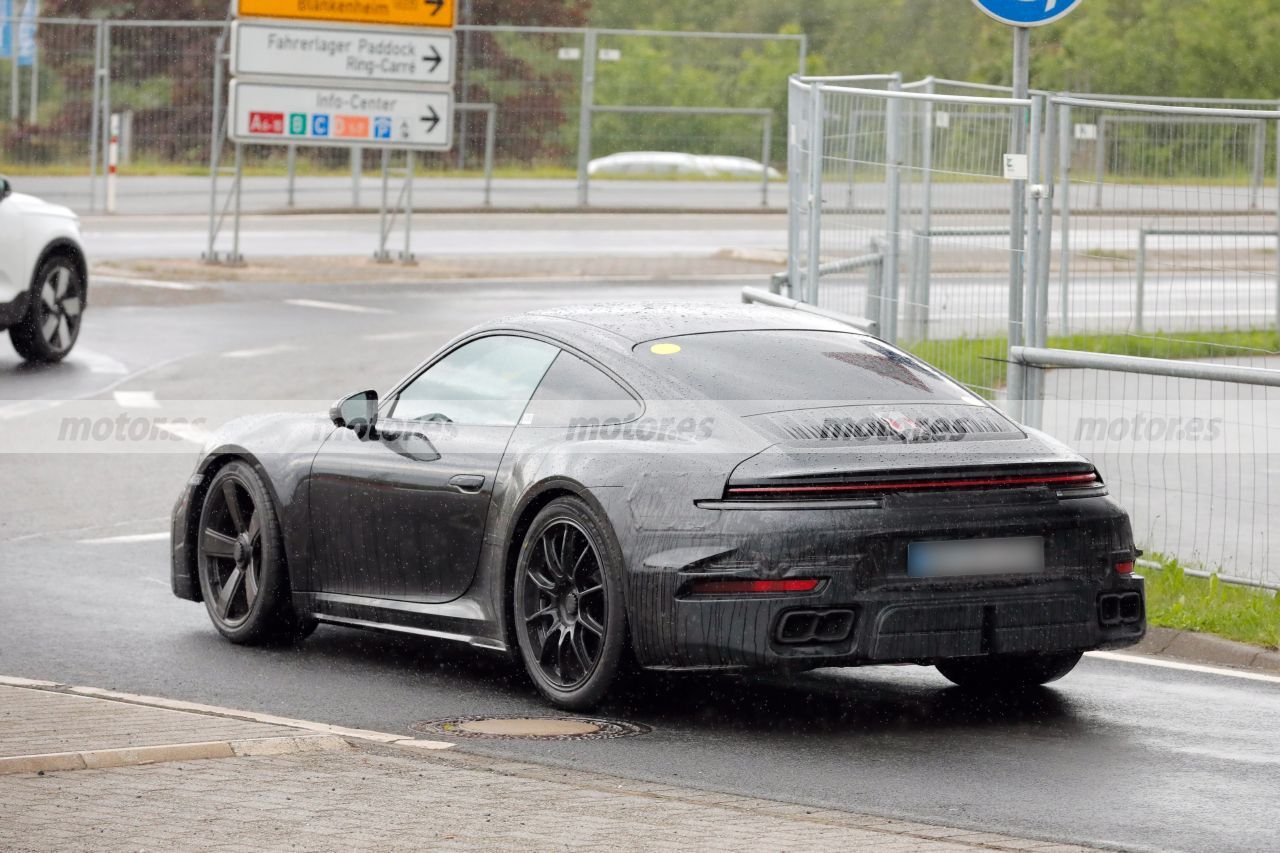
925	268
1099	160
1031	261
215	148
291	159
764	160
1064	215
94	115
589	41
1139	295
1278	233
103	123
410	166
1259	161
382	256
15	87
490	145
816	151
357	174
236	258
893	209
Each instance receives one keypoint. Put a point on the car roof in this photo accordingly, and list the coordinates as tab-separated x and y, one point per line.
637	322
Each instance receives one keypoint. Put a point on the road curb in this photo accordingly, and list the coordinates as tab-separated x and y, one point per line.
228	713
105	759
1196	647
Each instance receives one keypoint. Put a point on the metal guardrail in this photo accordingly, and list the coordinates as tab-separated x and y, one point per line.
754	295
1047	358
1139	302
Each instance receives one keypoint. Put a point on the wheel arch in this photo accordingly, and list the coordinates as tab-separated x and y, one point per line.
207	470
63	247
534	500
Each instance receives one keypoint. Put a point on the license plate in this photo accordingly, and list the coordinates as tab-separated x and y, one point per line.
970	557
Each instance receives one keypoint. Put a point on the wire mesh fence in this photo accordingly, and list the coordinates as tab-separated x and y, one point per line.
1133	228
159	76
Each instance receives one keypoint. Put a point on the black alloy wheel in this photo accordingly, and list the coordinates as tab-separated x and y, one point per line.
570	622
52	324
231	551
239	557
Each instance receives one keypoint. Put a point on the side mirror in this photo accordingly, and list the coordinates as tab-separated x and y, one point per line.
6	188
359	412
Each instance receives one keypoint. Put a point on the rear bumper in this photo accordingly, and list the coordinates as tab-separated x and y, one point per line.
894	625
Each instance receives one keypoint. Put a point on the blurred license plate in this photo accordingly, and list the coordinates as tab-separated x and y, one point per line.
966	557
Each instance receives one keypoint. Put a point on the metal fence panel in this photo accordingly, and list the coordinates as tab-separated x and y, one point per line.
1150	229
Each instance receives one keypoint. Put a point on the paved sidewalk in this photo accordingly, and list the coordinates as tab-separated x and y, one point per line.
277	787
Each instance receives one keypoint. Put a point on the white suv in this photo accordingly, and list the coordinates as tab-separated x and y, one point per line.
44	278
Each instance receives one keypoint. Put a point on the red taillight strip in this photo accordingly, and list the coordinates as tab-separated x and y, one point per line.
714	587
902	485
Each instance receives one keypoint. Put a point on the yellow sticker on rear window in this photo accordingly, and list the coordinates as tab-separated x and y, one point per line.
664	349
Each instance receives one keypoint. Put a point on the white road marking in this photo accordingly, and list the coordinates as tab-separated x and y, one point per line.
144	282
258	353
136	399
335	306
127	540
1186	667
213	710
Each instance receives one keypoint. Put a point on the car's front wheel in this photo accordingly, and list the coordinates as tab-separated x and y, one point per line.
240	560
52	324
1008	672
570	621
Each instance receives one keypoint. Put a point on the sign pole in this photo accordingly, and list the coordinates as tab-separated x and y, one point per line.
1018	202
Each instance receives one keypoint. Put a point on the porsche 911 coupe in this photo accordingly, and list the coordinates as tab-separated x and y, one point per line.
672	486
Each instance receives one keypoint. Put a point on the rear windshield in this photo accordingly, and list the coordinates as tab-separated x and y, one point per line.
798	367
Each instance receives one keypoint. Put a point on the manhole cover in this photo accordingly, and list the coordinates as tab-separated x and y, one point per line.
530	728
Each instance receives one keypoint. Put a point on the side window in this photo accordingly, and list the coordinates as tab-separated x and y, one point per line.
487	382
573	393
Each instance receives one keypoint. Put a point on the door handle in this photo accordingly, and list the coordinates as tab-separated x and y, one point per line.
468	484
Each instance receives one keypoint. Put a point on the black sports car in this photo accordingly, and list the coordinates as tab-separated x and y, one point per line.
689	487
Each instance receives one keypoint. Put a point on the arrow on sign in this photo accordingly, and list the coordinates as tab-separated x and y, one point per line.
435	59
436	4
431	120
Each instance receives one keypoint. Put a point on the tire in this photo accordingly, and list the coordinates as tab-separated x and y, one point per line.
240	562
1008	672
567	605
52	324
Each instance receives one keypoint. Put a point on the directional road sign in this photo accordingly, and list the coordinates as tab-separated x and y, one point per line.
414	13
354	54
287	114
1027	13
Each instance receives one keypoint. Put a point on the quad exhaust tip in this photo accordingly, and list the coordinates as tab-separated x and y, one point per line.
800	627
1123	608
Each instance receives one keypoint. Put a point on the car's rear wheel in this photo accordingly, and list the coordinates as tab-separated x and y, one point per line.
52	324
239	554
570	621
1008	672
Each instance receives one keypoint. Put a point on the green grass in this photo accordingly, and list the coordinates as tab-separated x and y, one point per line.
980	362
1177	600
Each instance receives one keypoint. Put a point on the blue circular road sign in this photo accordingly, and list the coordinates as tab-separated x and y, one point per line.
1026	13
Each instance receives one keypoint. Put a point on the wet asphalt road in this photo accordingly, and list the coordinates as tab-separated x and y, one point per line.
1118	754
